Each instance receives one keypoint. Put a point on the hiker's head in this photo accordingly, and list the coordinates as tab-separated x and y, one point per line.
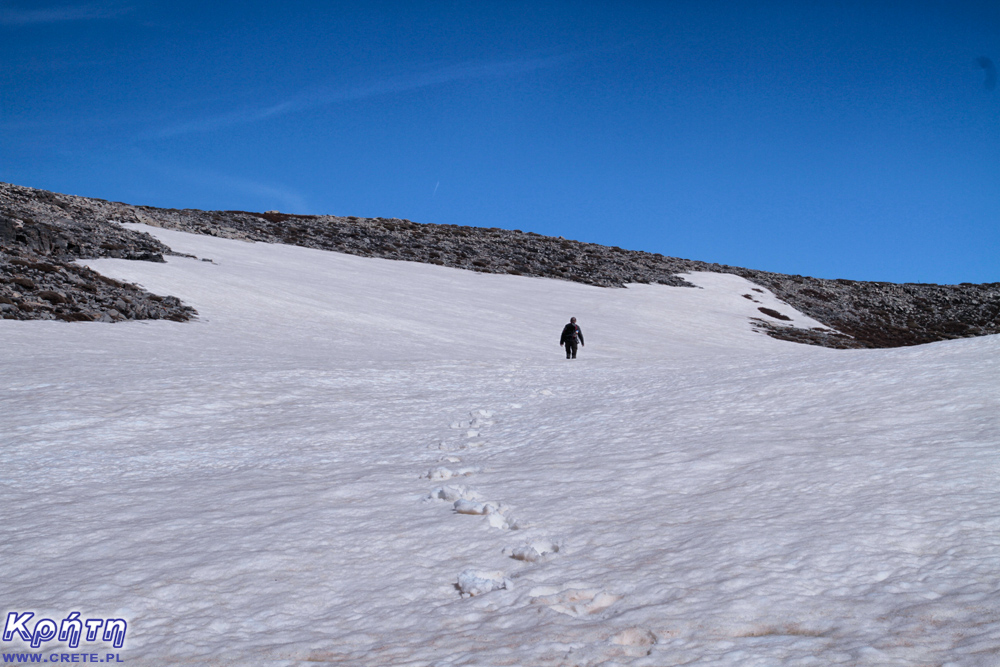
572	320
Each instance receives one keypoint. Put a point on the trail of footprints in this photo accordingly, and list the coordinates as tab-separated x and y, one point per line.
574	599
464	500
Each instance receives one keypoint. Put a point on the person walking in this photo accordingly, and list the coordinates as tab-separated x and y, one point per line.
571	336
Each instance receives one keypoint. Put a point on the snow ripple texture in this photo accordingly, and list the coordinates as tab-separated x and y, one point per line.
279	482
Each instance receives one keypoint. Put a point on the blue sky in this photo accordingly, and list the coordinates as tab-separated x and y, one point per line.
835	139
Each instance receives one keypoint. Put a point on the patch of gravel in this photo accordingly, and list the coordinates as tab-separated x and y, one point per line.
863	314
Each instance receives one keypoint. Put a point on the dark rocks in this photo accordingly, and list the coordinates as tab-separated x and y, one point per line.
54	290
876	314
821	337
58	228
52	297
54	232
41	233
770	312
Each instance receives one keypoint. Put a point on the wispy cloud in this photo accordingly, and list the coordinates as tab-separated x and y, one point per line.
325	95
14	16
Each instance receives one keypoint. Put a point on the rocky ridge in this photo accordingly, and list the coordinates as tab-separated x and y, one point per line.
36	225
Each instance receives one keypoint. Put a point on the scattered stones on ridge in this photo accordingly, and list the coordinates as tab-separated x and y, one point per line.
61	228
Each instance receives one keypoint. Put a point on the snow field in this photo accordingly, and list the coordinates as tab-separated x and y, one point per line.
284	481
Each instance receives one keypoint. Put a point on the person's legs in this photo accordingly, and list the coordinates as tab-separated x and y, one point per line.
571	350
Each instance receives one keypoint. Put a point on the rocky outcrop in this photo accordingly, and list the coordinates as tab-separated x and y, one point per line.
41	233
33	287
877	314
864	314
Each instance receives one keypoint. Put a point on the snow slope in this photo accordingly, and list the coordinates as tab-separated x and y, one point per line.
277	482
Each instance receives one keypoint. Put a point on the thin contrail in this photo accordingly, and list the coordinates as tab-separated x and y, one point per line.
12	16
325	95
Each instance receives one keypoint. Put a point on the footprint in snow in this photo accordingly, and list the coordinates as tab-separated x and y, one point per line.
477	419
451	493
470	431
442	473
465	506
533	551
443	446
573	601
635	642
497	514
479	582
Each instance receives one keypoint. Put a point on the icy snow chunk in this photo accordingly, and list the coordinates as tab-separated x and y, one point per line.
480	582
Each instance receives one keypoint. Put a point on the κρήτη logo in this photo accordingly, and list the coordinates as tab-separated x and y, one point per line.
71	630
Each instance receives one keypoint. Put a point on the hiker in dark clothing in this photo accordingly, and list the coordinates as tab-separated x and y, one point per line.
571	335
